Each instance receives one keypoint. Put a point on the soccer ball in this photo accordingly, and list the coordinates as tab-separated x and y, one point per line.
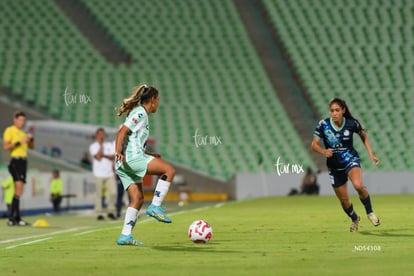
200	231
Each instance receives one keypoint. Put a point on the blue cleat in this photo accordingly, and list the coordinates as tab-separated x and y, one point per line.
128	240
158	213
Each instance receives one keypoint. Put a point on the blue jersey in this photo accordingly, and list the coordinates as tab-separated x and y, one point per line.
340	140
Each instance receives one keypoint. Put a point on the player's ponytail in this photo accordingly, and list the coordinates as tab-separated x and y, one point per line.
347	113
132	101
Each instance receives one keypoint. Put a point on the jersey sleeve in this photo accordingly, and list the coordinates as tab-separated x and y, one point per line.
357	127
135	120
7	135
318	132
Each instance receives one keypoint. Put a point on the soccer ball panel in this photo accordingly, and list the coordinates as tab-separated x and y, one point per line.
200	231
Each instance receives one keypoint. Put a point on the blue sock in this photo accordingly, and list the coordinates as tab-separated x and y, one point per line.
367	204
351	213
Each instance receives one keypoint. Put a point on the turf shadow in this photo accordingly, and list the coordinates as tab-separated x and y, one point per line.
193	248
388	233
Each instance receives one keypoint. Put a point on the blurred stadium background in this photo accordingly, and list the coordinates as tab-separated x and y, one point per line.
256	74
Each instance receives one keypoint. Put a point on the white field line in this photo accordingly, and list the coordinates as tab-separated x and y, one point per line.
43	235
96	230
115	227
27	243
218	205
90	231
147	220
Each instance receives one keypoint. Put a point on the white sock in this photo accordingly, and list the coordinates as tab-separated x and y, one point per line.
160	191
131	216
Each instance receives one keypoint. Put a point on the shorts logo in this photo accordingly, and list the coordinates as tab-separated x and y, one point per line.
332	179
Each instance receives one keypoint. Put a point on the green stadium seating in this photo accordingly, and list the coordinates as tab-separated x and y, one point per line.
196	52
360	51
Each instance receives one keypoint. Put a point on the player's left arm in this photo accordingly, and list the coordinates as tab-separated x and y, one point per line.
364	138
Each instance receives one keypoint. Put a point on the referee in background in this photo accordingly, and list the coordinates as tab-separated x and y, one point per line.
16	141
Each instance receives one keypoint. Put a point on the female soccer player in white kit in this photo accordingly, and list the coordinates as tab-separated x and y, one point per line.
133	161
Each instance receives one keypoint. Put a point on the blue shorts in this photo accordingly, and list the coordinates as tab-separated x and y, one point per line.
133	171
340	177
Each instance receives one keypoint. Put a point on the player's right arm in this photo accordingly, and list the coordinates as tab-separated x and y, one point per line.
120	137
317	148
7	140
8	143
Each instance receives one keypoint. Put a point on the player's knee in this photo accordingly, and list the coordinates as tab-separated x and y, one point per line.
360	189
137	201
170	172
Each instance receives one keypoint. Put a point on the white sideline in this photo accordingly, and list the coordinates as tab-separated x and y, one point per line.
48	234
89	231
147	220
95	230
27	243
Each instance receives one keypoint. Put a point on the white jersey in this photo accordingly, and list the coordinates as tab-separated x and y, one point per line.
102	168
136	139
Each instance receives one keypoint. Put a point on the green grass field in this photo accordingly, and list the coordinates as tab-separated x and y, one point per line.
270	236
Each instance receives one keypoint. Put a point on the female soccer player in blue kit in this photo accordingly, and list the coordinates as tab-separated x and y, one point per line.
343	160
133	161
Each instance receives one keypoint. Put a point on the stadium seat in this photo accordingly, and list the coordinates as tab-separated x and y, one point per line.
360	52
197	53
